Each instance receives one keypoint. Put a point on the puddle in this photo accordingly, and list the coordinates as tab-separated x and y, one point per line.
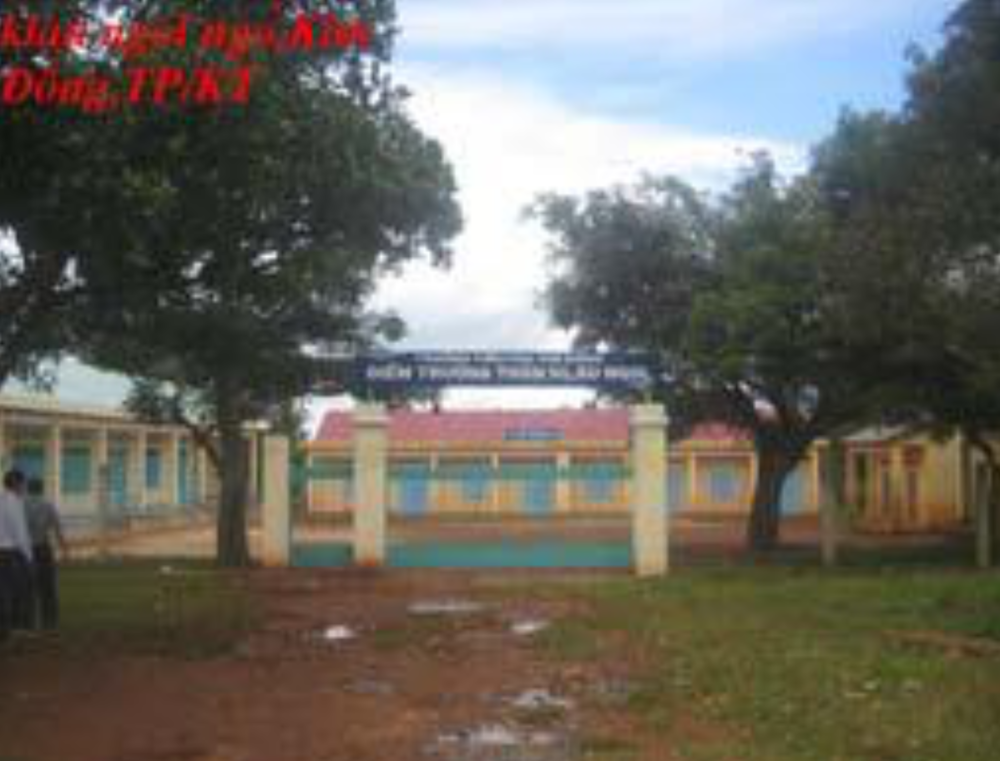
500	742
445	607
616	692
540	700
371	687
335	634
529	627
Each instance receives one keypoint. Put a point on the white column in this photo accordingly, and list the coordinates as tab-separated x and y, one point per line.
136	478
253	464
171	462
496	485
371	425
437	489
99	466
275	514
649	490
564	483
100	486
308	465
204	464
53	463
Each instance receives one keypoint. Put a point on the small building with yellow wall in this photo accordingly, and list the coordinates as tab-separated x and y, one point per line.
502	462
95	459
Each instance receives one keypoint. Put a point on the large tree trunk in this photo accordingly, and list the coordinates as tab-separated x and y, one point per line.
987	506
232	550
773	467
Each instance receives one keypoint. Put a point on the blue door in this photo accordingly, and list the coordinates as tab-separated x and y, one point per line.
539	486
117	478
412	488
183	483
793	493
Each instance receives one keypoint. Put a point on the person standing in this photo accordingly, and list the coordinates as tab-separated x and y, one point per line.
15	557
44	525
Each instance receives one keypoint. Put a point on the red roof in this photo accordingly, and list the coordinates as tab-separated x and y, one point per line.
489	426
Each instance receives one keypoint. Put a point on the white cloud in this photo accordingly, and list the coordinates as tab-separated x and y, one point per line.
681	30
507	145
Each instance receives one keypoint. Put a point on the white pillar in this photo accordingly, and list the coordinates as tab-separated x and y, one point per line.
171	463
99	467
275	514
101	487
253	464
649	490
564	483
371	425
53	463
204	464
136	478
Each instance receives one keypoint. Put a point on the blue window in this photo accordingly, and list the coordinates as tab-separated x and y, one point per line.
183	492
474	479
76	470
412	481
723	484
30	460
793	492
154	468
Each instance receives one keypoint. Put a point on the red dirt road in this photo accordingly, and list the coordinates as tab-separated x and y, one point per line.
408	687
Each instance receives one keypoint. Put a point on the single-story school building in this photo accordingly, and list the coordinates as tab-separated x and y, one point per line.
576	461
89	455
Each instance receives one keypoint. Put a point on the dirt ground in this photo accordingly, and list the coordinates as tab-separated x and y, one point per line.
472	684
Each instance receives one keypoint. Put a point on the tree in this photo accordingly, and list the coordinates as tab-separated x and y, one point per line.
51	200
731	295
256	238
919	195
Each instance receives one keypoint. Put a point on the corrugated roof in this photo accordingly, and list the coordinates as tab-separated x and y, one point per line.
489	426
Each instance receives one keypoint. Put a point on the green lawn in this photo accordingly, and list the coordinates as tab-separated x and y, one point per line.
797	664
184	609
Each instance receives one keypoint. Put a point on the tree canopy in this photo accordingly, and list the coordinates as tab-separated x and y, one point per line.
730	293
235	244
919	236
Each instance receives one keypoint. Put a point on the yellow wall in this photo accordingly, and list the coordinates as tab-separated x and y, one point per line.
716	478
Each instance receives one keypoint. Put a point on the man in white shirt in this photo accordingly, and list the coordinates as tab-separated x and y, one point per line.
15	557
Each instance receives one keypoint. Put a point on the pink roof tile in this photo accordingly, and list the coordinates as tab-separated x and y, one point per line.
487	426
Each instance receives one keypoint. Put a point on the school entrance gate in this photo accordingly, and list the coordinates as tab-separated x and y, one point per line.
392	498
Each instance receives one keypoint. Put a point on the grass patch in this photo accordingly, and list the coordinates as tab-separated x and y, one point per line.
802	665
414	632
183	609
607	748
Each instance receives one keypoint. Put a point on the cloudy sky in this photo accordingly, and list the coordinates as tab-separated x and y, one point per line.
529	96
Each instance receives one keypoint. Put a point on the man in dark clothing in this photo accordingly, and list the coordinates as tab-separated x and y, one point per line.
15	557
44	526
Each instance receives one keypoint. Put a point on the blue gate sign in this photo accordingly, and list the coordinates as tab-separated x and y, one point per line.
406	371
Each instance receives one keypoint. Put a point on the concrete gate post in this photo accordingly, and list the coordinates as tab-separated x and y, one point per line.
371	424
650	522
275	509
